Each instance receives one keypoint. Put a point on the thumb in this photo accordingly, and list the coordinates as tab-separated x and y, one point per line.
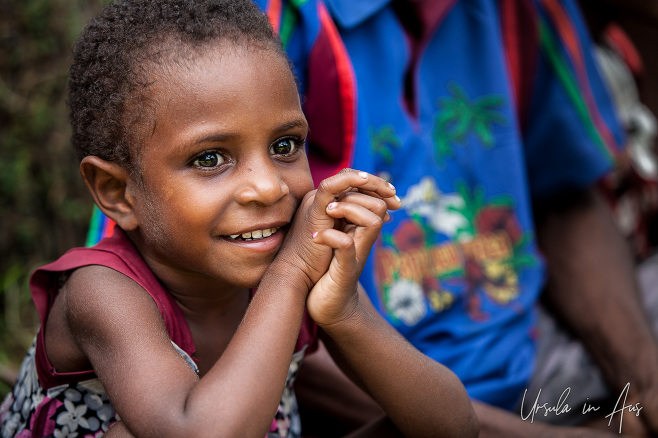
343	270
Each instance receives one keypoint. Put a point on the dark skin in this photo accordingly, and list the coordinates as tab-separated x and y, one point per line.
592	290
605	309
577	235
226	158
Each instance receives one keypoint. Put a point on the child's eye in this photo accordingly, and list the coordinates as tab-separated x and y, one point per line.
208	159
284	146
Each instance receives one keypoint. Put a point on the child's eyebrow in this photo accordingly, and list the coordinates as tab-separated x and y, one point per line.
224	136
216	137
298	123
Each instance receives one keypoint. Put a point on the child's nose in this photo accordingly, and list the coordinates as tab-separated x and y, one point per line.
263	185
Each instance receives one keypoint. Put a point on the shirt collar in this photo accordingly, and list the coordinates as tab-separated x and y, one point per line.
350	13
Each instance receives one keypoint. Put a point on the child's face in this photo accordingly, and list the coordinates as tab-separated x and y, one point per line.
226	158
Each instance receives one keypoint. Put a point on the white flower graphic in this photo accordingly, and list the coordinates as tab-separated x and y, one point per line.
10	427
425	199
406	301
73	416
28	392
65	433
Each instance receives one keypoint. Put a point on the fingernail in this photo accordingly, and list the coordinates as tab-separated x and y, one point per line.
398	199
314	234
391	186
387	217
331	205
363	175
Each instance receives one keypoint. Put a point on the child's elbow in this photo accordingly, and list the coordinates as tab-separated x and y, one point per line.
464	424
464	421
471	426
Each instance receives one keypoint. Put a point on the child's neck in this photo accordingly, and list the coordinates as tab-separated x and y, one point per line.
213	321
198	302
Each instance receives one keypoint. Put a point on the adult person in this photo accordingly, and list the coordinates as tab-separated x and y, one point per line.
490	119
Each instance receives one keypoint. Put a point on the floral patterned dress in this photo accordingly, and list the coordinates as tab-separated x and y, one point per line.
45	403
79	409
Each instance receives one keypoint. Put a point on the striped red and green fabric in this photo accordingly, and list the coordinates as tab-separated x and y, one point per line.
100	226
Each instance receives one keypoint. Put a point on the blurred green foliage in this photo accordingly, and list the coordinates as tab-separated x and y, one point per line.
44	207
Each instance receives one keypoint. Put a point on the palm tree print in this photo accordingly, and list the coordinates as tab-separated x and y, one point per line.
383	142
459	115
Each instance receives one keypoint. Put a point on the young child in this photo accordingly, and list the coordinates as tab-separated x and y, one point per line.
189	128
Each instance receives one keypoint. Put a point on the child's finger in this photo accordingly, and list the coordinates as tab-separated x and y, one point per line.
334	294
363	225
376	205
335	239
343	267
391	203
376	187
364	213
348	179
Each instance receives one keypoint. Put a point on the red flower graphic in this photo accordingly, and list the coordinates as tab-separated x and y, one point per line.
409	235
491	219
430	284
474	273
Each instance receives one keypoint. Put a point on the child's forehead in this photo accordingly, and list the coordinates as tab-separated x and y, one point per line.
221	59
231	63
183	71
227	92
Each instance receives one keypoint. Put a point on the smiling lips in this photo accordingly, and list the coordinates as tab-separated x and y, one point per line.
255	235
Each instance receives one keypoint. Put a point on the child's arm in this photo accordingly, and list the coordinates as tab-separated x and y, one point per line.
117	327
420	396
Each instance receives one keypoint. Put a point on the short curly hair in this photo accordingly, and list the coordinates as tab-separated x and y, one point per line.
109	77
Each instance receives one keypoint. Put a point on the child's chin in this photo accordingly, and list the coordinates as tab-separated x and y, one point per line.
254	285
250	281
246	282
252	271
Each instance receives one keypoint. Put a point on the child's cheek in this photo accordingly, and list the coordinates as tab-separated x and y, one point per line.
302	182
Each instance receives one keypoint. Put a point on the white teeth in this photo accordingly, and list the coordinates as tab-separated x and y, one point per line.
257	234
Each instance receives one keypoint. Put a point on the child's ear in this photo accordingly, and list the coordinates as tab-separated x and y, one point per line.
108	183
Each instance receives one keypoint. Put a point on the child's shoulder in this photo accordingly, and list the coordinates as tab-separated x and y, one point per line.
113	266
88	302
94	286
97	300
101	322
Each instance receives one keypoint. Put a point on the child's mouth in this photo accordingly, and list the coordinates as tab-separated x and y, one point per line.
254	235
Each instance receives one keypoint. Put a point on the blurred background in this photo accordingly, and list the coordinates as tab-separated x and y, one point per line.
45	209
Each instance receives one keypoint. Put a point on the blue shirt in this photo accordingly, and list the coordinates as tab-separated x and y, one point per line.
471	123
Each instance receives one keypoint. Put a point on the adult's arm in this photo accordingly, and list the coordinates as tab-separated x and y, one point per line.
592	288
332	405
498	423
